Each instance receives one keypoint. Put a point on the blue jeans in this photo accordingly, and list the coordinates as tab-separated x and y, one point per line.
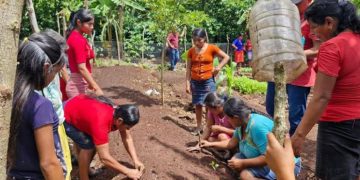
265	172
297	98
174	58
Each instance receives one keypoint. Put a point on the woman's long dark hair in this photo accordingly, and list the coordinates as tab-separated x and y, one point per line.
214	99
33	53
237	108
343	10
129	113
200	33
84	15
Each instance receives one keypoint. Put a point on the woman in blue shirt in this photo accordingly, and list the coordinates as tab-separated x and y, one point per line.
251	137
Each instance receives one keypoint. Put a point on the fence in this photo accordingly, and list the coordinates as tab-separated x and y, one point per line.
108	49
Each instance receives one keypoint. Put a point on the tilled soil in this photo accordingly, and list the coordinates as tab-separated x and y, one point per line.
162	135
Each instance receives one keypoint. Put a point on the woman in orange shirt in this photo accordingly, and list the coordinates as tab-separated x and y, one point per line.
200	71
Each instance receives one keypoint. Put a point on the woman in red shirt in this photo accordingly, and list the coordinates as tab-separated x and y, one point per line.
80	53
336	100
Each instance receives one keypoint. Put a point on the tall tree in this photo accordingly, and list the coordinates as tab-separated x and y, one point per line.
10	16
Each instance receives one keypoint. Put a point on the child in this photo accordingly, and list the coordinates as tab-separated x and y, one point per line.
218	127
200	71
34	145
251	137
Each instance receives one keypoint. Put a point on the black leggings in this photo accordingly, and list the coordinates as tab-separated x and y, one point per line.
338	150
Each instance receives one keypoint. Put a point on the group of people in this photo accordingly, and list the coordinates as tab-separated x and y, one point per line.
41	120
330	36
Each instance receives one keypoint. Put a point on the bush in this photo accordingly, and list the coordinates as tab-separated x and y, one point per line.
246	85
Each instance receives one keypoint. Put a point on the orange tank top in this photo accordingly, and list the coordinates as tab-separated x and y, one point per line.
202	64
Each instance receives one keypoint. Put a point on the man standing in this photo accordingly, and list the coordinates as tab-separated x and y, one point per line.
299	89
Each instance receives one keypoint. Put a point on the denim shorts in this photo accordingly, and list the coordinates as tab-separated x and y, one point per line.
265	172
338	150
83	140
199	90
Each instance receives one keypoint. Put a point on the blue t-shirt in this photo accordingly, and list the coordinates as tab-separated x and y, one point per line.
239	44
37	112
256	132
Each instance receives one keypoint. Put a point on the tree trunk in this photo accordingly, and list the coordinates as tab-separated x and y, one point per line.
64	25
86	4
117	43
162	72
10	16
121	30
58	22
32	16
110	41
143	44
280	128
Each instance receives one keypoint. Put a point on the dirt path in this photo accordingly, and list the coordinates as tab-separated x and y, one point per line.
161	141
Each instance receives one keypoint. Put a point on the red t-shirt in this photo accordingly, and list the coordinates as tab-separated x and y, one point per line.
79	51
91	117
307	79
174	39
340	57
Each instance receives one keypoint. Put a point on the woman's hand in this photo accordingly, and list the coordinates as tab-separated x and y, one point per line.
205	143
297	143
235	163
216	71
133	174
188	88
280	159
139	166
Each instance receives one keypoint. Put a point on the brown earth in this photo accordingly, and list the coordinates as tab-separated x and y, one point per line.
162	135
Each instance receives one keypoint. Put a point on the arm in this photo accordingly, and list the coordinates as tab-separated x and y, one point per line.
312	52
322	93
229	144
224	59
49	163
254	162
109	161
89	79
129	146
226	130
209	124
188	75
168	42
233	45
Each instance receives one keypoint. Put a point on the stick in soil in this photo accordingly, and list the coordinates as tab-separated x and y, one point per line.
280	129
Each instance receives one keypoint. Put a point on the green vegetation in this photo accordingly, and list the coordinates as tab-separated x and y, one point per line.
246	85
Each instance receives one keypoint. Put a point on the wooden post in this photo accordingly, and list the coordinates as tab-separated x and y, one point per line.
32	16
58	22
280	128
143	45
162	73
64	24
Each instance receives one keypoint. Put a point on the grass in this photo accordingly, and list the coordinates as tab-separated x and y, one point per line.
246	70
